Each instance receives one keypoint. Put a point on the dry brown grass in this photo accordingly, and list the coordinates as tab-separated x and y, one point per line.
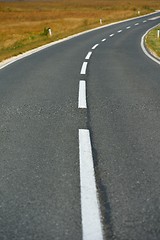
153	42
23	23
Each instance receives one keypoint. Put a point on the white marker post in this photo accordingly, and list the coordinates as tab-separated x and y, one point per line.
158	33
100	21
50	32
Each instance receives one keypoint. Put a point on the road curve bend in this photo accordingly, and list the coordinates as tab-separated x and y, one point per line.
80	139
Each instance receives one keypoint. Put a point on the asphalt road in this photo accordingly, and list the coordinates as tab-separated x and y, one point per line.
39	145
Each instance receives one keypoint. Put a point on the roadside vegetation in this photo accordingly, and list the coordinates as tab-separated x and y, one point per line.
24	24
153	41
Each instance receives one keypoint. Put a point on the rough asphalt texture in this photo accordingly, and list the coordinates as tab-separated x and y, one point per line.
39	122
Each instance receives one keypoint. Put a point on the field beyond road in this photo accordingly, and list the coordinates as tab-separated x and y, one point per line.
23	24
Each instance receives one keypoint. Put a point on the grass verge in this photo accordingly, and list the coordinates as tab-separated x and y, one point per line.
153	41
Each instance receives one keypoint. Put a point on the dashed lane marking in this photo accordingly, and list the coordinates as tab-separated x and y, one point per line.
84	67
95	46
82	95
88	55
90	210
154	18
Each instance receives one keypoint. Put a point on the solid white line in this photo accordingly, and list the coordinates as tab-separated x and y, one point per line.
144	49
82	95
90	210
84	67
119	31
128	27
96	45
88	55
136	24
103	40
111	35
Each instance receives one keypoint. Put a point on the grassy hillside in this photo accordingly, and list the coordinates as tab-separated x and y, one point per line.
23	23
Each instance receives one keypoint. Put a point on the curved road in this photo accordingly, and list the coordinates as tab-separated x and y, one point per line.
46	169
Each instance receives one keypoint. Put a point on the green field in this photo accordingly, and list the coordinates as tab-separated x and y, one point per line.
23	23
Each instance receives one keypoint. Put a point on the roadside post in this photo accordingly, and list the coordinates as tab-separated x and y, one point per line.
50	32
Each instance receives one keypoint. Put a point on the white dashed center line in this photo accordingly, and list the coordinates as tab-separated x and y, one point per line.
82	95
90	210
88	55
84	67
92	228
96	45
154	18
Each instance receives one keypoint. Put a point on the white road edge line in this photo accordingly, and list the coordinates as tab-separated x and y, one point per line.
82	95
88	55
103	40
90	209
84	68
96	45
144	49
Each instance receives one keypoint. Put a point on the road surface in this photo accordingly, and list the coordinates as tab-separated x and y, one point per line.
80	139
